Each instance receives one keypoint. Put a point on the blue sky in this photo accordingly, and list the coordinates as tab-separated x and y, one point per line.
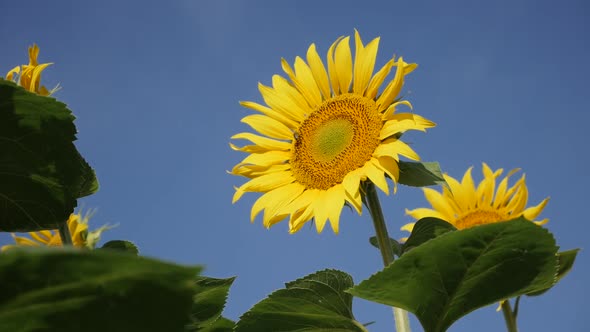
155	87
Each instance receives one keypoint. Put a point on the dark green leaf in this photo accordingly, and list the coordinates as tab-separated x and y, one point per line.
64	289
122	245
426	229
209	301
565	261
395	246
316	302
41	171
420	174
453	274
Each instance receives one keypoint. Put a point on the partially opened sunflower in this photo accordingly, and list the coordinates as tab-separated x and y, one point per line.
78	227
322	132
465	205
29	76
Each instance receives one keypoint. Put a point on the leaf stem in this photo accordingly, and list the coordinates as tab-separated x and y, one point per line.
509	317
371	200
64	234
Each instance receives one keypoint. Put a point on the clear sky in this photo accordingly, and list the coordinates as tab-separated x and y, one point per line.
155	87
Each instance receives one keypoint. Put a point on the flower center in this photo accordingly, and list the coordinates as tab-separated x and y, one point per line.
479	217
337	138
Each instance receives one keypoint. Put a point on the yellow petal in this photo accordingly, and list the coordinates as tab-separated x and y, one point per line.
281	103
439	203
264	183
408	227
270	113
378	79
12	72
264	143
393	88
402	122
423	213
332	68
376	176
364	63
306	83
393	147
268	126
301	107
334	205
534	211
343	61
319	71
351	184
469	189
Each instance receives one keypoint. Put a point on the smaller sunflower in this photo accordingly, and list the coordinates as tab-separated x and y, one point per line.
29	76
78	226
464	205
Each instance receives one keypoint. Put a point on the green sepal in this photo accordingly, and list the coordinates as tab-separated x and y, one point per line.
449	276
426	229
41	171
395	246
208	302
316	302
420	174
121	246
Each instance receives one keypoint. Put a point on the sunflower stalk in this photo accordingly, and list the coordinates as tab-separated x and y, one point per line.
64	234
509	317
371	200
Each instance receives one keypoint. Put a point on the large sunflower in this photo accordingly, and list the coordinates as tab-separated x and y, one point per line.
29	76
464	205
323	133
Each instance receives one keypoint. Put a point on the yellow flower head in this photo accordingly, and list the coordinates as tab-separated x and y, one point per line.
29	76
464	205
78	226
322	132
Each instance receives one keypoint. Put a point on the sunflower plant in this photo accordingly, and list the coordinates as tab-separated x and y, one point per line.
330	132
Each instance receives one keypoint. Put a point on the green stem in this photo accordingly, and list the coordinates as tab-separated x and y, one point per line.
64	234
402	322
509	317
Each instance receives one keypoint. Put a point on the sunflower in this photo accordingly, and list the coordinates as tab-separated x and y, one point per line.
78	227
464	205
29	76
323	132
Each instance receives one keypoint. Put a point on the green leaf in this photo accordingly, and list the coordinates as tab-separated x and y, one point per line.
316	302
420	174
220	325
41	171
209	300
565	262
395	246
67	289
122	246
455	273
426	229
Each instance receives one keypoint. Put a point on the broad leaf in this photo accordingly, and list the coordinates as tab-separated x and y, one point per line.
426	229
65	289
220	325
420	174
209	300
41	172
316	302
455	273
565	262
121	246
